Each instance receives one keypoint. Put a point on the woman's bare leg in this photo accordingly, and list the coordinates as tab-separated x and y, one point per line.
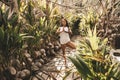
63	46
71	45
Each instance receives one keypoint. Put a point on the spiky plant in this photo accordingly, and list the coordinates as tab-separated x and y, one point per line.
42	27
93	62
88	20
11	40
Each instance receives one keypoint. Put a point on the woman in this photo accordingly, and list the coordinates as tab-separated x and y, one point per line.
64	32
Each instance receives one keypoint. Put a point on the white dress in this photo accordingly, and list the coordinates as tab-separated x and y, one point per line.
64	36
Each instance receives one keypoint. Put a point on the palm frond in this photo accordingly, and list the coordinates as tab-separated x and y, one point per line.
82	67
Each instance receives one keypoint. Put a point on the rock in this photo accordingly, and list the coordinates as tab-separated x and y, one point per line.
16	63
102	30
109	31
113	35
34	78
41	61
29	60
18	74
12	70
27	55
23	63
26	71
39	76
42	51
37	54
58	44
110	39
52	52
56	48
50	45
35	68
38	64
46	47
44	76
48	53
18	79
22	74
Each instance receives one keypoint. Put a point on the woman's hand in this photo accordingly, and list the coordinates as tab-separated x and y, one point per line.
59	30
67	30
70	31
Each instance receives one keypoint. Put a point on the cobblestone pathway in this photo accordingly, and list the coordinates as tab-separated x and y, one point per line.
56	70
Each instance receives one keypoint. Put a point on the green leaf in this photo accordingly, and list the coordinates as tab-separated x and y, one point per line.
82	67
1	34
13	20
85	67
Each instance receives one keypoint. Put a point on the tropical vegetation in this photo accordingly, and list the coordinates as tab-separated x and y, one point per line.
28	39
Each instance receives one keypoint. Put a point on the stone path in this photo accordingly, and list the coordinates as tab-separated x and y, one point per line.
56	70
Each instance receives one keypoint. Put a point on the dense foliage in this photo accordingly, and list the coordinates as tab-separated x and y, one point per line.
28	39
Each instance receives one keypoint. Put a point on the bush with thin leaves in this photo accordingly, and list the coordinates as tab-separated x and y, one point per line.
93	62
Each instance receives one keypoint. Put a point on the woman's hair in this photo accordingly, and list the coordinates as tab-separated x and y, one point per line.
67	25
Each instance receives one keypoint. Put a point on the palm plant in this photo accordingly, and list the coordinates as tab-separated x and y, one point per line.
14	34
11	40
43	29
88	20
93	62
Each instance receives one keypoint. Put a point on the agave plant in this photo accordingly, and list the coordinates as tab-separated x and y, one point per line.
88	20
93	62
6	19
42	27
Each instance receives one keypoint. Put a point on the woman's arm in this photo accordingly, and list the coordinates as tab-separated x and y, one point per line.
68	31
58	31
